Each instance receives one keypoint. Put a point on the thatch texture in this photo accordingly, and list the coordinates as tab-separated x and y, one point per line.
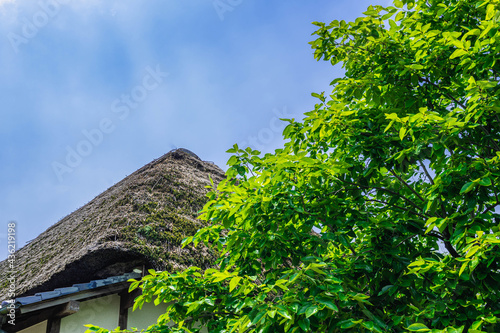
139	221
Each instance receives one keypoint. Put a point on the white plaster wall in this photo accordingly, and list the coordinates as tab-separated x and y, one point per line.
147	316
103	312
38	328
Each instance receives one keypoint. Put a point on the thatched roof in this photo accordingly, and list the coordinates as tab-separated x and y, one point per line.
139	221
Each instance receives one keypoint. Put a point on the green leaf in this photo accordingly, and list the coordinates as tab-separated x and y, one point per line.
402	132
92	327
389	126
134	285
327	302
282	311
490	11
315	268
457	53
418	328
349	323
416	66
193	307
491	319
258	316
472	251
486	181
430	221
234	282
138	302
232	160
386	16
486	84
311	310
304	324
468	187
393	25
385	289
399	16
187	241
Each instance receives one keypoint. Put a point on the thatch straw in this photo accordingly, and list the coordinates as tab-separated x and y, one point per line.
139	221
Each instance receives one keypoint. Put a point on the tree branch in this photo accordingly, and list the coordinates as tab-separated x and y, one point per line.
407	185
398	207
443	210
448	245
422	165
436	234
495	145
490	208
386	190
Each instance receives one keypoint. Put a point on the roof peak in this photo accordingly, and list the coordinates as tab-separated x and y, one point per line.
141	220
187	151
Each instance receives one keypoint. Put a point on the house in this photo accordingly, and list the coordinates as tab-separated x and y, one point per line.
76	272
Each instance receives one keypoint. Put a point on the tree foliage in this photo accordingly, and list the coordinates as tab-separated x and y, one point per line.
341	229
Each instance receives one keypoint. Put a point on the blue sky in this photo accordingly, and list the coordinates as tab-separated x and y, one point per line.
93	90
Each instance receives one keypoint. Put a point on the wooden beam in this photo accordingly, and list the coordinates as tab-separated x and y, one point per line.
80	296
129	298
53	325
123	314
52	315
68	309
32	314
126	302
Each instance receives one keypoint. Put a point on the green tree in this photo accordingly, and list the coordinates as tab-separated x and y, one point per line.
340	231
